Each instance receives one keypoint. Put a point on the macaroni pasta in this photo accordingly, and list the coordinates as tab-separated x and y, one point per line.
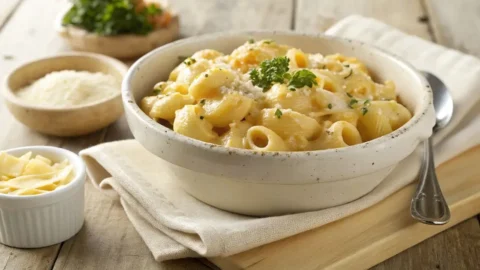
270	97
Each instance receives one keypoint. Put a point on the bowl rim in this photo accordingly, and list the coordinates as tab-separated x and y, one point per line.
75	160
131	105
9	93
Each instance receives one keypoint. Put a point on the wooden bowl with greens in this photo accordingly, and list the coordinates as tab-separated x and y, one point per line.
118	28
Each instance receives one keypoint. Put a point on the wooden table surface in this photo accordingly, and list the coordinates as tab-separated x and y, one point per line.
108	240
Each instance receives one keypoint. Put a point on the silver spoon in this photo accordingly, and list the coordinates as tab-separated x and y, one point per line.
428	204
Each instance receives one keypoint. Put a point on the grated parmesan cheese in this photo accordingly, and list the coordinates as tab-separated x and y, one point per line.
70	88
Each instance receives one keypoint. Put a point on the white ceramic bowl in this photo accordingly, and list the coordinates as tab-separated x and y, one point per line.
45	219
273	183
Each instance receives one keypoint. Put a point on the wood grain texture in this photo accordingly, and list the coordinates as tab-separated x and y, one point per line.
456	248
319	15
38	259
456	24
21	40
377	233
109	241
223	15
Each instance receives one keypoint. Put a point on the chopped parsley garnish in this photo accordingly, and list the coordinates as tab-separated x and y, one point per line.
202	101
349	95
189	61
206	75
270	72
276	71
201	117
349	74
278	113
302	78
330	106
364	110
352	102
268	41
251	41
346	65
158	88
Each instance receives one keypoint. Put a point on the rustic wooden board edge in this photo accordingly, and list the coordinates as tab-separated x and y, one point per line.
464	204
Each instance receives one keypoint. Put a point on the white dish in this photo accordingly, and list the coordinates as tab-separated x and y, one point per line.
272	183
45	219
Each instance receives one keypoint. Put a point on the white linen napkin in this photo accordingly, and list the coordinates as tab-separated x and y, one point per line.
175	225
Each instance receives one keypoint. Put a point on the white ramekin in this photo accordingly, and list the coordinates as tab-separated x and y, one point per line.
45	219
274	183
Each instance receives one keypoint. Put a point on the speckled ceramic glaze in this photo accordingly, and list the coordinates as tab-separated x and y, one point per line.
273	183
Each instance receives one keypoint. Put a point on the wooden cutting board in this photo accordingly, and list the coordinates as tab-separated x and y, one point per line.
373	235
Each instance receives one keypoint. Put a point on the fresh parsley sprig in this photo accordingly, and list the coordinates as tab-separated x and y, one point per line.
111	17
270	72
276	71
302	78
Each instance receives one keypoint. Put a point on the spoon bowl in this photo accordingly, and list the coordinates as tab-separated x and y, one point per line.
442	101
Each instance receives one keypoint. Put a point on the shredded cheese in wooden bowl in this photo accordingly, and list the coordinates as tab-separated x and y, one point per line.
70	88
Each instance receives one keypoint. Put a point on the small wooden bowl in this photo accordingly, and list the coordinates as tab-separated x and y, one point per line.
72	120
121	46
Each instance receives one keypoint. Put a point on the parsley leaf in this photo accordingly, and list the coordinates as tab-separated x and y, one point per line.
158	88
303	78
278	113
112	17
251	41
270	72
364	110
330	106
189	61
352	102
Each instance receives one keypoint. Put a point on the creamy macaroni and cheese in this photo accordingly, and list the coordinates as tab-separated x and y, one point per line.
270	97
27	175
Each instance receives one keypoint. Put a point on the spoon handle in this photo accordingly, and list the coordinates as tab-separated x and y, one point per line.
428	204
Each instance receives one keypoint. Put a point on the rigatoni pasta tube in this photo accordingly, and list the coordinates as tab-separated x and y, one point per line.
339	134
260	138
